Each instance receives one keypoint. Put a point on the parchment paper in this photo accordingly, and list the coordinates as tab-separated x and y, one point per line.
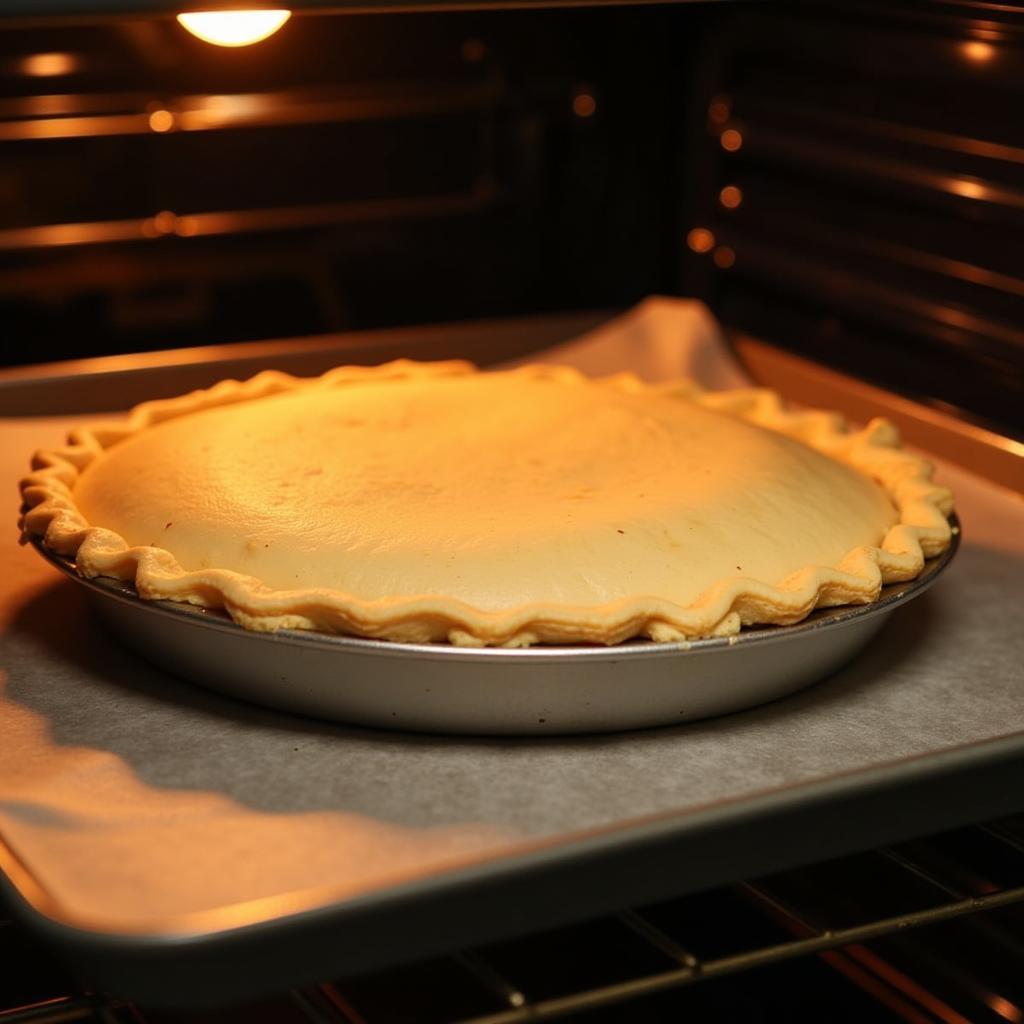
129	795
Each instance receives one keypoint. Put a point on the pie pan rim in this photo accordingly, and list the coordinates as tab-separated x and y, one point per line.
891	596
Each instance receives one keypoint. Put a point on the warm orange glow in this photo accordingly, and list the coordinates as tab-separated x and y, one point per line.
49	65
977	51
161	121
166	222
162	224
233	28
700	240
719	110
584	105
968	189
724	257
730	197
731	140
474	51
45	236
1007	1010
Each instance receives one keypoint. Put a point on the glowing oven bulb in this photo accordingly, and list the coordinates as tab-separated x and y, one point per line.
233	28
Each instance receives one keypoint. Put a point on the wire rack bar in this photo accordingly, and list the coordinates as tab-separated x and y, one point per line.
51	1011
657	938
491	978
919	871
843	948
819	942
1001	830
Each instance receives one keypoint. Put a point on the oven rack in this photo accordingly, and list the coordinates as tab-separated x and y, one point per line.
925	931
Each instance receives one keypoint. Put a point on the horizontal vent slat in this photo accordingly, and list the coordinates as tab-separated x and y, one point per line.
864	173
904	273
814	212
970	194
815	118
1001	344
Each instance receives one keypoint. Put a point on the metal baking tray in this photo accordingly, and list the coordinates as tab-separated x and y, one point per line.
923	731
494	691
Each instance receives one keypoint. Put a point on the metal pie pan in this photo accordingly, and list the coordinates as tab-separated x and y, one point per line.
533	690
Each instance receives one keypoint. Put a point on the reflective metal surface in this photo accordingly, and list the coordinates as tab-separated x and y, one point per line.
537	690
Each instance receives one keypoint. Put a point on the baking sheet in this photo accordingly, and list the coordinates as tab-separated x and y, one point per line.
134	804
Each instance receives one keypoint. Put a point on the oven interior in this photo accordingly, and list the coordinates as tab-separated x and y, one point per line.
840	179
843	180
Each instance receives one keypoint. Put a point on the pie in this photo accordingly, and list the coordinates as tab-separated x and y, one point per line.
431	502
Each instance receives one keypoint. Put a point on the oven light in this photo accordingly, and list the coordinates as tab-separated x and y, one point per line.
233	28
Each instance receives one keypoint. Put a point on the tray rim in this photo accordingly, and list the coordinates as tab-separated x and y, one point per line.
264	912
891	596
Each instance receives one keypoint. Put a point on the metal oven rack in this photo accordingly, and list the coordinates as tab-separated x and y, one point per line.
925	931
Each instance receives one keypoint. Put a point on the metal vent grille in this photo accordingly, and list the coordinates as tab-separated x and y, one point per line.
861	198
927	931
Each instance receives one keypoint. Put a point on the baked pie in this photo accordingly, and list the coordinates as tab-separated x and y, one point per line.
435	503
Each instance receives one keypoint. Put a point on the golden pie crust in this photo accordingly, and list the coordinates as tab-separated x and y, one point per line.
431	502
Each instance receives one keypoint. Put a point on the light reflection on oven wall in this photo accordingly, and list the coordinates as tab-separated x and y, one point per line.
859	199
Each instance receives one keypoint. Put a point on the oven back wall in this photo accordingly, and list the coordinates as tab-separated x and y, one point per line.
350	172
859	197
844	179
